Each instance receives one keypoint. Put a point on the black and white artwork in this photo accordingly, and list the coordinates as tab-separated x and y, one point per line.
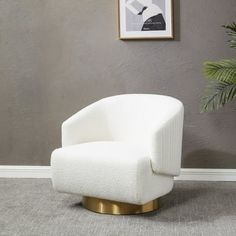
140	19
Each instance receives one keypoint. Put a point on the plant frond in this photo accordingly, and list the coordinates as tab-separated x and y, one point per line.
232	33
231	26
232	42
224	70
217	95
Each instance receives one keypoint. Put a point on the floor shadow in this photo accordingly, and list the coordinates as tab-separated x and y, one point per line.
76	205
190	201
196	201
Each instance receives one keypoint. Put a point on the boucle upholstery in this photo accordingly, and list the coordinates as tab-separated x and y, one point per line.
124	148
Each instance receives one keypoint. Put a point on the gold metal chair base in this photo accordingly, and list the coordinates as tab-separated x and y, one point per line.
117	208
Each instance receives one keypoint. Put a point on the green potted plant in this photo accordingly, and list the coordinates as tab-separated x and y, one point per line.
222	76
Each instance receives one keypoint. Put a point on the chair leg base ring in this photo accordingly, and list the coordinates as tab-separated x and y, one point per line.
117	208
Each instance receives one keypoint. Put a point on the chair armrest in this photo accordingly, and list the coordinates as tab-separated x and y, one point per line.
166	145
87	125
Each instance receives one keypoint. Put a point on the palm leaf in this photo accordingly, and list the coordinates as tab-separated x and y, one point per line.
231	33
231	26
224	70
222	88
217	95
232	42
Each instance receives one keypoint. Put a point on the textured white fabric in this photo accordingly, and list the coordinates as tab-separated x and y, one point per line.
109	170
152	121
124	148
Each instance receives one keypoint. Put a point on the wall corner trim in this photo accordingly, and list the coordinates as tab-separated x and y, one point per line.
15	171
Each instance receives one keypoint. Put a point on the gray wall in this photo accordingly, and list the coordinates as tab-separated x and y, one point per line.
57	56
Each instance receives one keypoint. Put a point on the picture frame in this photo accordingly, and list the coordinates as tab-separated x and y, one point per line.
146	19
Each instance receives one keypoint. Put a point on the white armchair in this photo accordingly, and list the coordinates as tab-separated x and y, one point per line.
121	153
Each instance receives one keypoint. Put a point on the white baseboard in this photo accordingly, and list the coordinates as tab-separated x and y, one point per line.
207	174
186	174
25	171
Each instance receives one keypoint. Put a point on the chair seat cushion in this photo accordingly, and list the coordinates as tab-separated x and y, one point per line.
109	170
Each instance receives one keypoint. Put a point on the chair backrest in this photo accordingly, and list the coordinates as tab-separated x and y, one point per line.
133	117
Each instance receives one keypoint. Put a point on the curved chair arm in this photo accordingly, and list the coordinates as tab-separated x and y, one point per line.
166	145
87	125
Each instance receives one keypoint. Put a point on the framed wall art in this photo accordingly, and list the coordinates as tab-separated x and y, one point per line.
146	19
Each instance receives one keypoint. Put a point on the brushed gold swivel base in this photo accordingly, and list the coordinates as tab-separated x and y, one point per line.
117	208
